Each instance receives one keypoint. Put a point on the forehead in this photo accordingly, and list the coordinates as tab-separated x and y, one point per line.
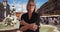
31	3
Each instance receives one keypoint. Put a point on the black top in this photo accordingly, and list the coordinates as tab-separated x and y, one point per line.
34	19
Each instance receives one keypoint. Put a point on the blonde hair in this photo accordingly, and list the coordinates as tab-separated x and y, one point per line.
32	2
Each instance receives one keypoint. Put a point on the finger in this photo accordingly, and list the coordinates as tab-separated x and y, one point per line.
35	28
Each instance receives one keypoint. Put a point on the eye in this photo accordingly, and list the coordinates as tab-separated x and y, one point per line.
31	5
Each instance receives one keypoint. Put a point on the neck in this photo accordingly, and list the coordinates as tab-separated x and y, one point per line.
29	15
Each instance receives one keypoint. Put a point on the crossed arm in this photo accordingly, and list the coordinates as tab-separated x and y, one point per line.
26	26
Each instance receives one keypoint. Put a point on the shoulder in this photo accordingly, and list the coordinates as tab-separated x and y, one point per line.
35	13
24	14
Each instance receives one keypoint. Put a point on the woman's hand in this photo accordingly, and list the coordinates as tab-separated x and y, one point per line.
33	27
22	22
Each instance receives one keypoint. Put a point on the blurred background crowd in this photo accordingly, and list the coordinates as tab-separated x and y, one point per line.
54	20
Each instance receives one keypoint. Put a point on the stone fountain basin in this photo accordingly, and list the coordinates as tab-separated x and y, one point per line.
47	28
5	28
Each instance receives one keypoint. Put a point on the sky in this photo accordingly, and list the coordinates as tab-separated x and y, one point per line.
20	5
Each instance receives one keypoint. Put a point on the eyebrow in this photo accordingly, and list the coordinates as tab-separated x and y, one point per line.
31	4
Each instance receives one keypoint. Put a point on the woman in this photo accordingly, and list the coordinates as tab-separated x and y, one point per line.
30	20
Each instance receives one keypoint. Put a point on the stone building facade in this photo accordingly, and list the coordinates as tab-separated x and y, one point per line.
51	7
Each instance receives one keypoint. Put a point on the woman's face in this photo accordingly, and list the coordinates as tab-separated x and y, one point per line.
31	7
